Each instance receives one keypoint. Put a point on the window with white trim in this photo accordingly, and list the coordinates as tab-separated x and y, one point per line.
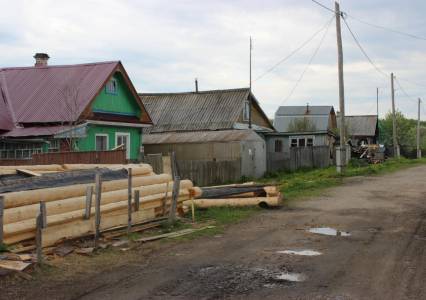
246	111
302	141
111	87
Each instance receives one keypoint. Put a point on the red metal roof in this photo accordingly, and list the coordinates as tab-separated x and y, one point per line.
36	131
36	94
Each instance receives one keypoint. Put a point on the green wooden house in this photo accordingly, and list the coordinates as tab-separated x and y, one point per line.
83	107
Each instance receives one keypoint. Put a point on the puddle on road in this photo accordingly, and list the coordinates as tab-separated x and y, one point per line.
300	252
295	277
328	231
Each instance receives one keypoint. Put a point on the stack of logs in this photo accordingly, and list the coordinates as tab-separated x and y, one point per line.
247	194
68	211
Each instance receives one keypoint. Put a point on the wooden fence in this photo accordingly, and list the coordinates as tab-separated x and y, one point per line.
86	157
205	173
300	157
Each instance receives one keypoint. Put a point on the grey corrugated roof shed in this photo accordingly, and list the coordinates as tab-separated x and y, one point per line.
201	137
361	125
193	111
317	115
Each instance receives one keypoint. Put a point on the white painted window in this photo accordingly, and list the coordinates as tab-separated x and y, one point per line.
246	111
123	139
111	87
302	141
101	142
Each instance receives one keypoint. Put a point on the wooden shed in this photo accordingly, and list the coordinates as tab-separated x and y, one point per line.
209	132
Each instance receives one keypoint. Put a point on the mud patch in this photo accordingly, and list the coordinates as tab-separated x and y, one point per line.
300	252
221	281
328	231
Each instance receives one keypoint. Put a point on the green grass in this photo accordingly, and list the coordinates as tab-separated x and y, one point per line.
304	183
3	248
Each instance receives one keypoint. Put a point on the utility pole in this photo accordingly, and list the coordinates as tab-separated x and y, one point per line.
395	141
419	152
377	102
341	159
250	100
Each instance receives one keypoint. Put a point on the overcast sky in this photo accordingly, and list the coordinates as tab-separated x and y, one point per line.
165	44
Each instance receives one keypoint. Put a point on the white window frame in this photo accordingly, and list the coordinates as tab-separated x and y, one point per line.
111	83
246	111
117	134
302	137
107	140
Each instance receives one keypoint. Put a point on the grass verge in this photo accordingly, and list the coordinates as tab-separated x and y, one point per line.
304	183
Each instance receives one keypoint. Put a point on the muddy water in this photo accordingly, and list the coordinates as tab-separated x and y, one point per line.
328	231
300	252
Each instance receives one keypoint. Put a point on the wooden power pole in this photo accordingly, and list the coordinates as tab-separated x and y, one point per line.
395	140
419	151
377	102
342	155
250	100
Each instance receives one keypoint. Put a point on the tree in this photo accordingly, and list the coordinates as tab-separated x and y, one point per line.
70	95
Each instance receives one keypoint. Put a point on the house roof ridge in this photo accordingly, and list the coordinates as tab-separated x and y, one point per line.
60	66
194	92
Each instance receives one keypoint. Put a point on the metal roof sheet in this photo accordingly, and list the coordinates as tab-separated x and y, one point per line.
36	93
365	125
201	137
6	122
36	131
317	116
302	110
204	110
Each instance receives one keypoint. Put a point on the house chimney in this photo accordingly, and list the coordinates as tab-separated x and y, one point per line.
196	85
41	59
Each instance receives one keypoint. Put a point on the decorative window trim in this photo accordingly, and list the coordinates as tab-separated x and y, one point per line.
295	141
117	134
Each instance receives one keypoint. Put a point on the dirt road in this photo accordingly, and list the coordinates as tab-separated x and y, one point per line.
383	258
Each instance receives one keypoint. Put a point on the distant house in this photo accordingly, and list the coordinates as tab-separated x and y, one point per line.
81	107
210	129
300	127
362	129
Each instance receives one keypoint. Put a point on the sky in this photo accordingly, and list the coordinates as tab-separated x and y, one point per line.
165	45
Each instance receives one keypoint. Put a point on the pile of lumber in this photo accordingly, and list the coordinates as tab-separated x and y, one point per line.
69	209
248	194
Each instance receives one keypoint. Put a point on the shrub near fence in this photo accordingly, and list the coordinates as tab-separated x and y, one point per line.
86	157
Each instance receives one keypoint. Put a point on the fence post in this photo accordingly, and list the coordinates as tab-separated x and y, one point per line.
1	218
41	223
165	199
98	188
89	196
129	201
137	200
175	196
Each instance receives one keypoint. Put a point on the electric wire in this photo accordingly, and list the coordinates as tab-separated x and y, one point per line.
326	25
388	29
309	63
323	6
363	51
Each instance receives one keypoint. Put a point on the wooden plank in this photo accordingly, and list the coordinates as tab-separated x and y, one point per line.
13	265
98	188
1	218
89	196
137	200
175	195
129	200
28	172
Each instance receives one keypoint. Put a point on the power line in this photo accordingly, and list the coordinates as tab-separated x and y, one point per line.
323	6
309	63
403	90
363	51
295	50
388	29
